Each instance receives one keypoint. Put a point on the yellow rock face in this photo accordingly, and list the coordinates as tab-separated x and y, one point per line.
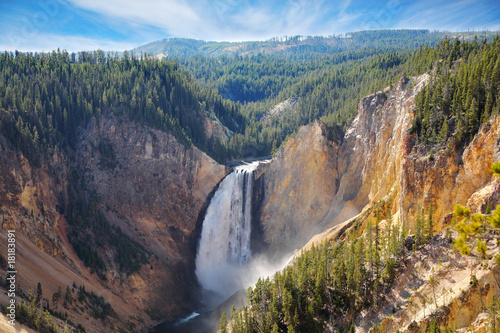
450	180
299	185
313	184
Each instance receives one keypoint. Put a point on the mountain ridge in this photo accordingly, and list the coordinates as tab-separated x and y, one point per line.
306	47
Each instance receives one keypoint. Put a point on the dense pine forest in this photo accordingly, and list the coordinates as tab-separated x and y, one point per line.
334	280
46	97
463	93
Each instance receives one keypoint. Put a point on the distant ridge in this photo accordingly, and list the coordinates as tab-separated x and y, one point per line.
305	47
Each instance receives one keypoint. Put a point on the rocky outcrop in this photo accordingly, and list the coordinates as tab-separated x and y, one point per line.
373	150
29	196
297	187
214	129
452	301
322	178
451	177
289	106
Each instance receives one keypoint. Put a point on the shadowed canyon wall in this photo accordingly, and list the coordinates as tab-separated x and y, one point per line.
152	187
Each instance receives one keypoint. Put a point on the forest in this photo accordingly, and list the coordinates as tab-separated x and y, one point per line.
463	93
45	97
297	47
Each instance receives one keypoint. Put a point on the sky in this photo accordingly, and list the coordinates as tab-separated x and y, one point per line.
76	25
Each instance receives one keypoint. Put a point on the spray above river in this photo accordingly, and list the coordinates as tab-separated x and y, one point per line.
224	250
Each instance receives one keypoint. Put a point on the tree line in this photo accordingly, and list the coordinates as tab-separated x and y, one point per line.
331	282
45	97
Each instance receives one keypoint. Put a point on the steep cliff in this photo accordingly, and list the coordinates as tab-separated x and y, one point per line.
297	187
144	182
325	177
319	183
155	191
315	183
451	177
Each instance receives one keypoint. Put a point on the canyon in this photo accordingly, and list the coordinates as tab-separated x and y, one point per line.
157	191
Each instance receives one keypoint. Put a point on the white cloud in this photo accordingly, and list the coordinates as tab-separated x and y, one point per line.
229	20
46	43
176	17
453	16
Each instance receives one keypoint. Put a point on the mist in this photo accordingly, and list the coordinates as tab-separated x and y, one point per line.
223	281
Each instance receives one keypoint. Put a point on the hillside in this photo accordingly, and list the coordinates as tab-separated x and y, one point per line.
47	97
84	222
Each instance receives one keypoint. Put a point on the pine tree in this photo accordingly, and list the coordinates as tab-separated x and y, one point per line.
434	282
361	275
478	227
370	251
444	132
377	261
419	228
423	301
429	228
39	293
223	323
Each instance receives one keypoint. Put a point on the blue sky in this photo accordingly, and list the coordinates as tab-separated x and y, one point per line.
74	25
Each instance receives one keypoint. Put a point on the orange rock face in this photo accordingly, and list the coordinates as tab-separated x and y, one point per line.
298	186
29	196
155	193
313	183
450	179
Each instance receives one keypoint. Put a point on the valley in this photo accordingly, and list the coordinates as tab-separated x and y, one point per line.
145	190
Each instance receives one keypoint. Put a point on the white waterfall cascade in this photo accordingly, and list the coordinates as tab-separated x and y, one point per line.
224	249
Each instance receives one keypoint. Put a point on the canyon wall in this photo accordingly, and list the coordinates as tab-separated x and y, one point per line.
294	192
320	179
156	192
151	186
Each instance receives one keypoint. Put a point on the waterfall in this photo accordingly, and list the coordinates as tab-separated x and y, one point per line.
224	249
